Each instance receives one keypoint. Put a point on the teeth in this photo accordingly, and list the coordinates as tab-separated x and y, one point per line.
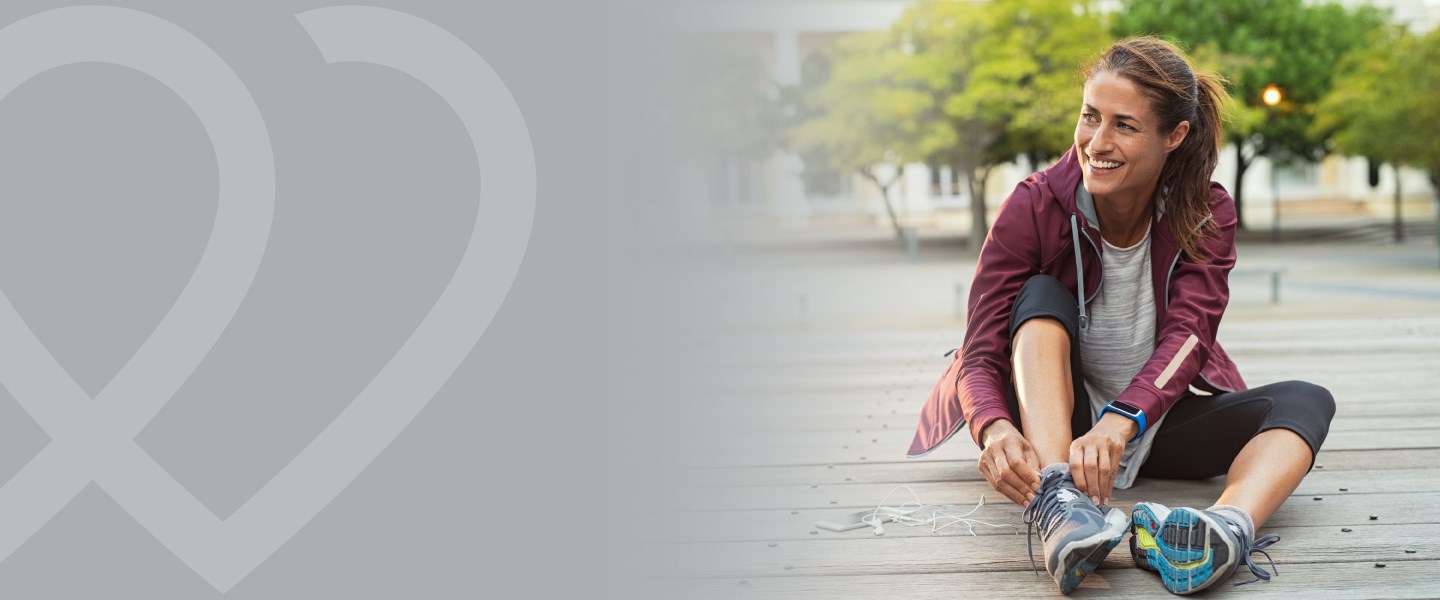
1100	164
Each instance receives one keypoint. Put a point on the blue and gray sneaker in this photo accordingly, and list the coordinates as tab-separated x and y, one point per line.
1077	535
1193	549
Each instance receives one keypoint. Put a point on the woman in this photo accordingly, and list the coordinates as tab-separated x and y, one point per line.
1093	312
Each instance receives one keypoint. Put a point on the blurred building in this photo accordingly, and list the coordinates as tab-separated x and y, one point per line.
779	191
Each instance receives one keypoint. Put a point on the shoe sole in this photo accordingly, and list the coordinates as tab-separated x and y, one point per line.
1181	548
1143	517
1081	557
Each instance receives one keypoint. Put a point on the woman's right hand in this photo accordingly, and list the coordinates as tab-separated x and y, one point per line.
1009	463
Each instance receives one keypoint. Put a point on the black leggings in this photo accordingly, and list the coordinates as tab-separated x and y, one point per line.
1201	434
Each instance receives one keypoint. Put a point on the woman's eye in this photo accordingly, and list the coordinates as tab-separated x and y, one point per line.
1125	126
1089	117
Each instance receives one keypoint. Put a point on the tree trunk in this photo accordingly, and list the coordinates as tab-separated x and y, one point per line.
1238	191
979	223
885	194
1399	225
1435	181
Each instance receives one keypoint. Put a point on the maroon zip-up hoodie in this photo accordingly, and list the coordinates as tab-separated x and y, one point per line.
1033	234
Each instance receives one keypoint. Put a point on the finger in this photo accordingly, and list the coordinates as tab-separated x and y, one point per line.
1025	464
1077	466
1010	492
1092	472
1009	477
1008	462
988	470
1115	457
1107	476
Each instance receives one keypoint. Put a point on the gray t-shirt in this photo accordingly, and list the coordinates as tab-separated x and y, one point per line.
1120	339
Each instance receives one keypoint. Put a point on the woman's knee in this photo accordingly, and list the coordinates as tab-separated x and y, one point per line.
1305	396
1046	331
1044	298
1304	406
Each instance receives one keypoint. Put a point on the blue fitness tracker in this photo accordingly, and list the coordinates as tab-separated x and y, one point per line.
1128	411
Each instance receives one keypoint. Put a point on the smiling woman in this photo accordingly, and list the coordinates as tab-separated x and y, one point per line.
1163	118
1080	357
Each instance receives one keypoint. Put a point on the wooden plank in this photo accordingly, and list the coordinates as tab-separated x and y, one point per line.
1345	580
797	523
702	449
968	491
887	555
956	470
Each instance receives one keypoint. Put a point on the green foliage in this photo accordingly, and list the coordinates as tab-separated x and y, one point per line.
864	112
1386	101
1290	43
961	83
1006	74
967	84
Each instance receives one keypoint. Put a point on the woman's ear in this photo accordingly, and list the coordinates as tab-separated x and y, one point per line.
1176	135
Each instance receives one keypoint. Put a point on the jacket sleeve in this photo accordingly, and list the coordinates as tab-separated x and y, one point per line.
1009	257
1198	294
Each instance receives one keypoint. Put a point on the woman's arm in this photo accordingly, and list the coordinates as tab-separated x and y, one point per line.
1199	293
1009	257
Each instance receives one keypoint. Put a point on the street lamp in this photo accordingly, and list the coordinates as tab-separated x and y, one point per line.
1272	97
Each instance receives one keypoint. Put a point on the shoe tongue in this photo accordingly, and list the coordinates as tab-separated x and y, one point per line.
1235	527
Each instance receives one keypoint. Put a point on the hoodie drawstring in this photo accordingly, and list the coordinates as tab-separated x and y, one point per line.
1079	273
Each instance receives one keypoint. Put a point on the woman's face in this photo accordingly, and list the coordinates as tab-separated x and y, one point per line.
1119	141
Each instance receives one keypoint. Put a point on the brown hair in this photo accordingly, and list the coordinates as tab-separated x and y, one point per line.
1177	93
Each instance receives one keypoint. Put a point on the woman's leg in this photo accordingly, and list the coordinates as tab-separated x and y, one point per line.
1267	439
1265	473
1049	408
1048	398
1264	439
1044	388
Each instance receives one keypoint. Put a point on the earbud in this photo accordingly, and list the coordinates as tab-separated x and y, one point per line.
879	530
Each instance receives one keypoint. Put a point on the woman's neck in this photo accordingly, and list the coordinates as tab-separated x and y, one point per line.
1125	220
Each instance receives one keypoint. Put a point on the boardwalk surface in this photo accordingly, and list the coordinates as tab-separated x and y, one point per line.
804	426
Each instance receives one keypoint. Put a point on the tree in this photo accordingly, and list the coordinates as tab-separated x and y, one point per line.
1007	74
867	115
966	84
1385	105
1289	43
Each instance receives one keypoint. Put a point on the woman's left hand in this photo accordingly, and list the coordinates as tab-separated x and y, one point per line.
1095	456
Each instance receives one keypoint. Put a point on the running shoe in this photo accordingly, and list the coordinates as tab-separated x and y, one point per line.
1193	550
1076	534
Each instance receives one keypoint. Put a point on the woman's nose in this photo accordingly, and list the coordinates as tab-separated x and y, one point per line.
1100	141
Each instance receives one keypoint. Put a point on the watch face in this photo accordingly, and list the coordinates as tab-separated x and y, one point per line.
1126	408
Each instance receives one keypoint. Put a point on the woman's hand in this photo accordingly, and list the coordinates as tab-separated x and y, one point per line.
1095	456
1009	463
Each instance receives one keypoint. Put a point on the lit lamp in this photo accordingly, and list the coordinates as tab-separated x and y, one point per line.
1272	97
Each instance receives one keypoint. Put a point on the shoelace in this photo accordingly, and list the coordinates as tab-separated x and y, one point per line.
1249	547
1045	510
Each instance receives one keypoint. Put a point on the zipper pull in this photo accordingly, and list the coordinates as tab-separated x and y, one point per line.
952	351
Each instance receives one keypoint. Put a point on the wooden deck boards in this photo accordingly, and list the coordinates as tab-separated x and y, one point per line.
806	426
